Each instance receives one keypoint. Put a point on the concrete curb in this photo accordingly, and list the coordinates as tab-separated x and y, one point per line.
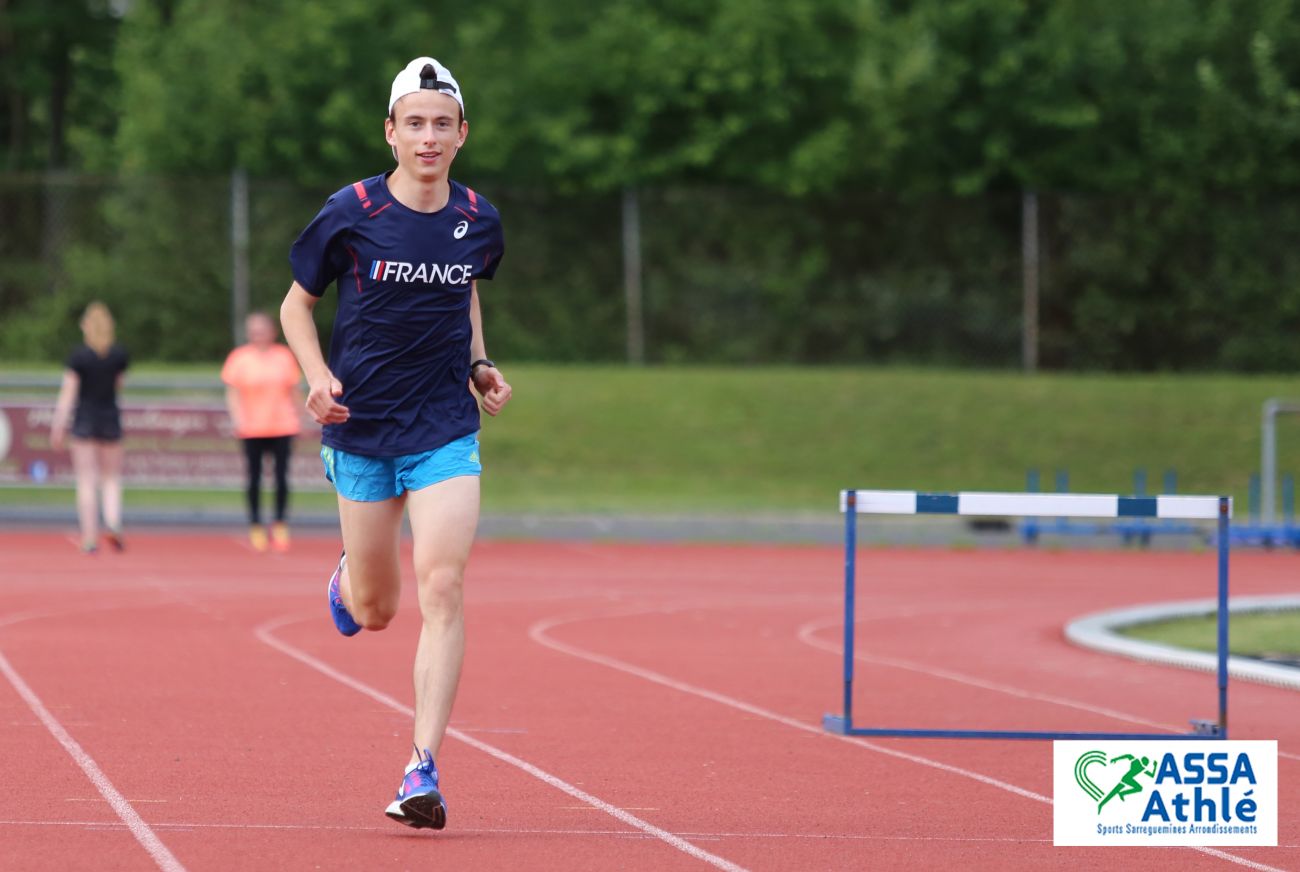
1097	631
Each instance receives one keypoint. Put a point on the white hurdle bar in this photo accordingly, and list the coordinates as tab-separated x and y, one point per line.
898	502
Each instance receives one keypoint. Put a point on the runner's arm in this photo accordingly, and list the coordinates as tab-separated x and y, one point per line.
300	332
487	380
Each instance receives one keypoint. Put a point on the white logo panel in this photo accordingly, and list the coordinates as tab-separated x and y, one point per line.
1155	792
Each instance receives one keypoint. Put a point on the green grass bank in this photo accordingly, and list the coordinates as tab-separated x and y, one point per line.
1253	634
652	439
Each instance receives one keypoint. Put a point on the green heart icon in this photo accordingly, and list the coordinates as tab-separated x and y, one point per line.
1081	773
1127	784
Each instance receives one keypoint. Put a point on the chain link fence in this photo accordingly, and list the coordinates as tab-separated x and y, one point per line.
728	276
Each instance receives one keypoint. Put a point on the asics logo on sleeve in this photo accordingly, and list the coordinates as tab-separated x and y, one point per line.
429	273
461	229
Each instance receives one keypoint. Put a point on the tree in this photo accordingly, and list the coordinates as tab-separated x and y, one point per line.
294	90
1165	126
56	82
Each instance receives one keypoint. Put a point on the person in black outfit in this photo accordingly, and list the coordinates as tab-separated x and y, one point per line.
92	378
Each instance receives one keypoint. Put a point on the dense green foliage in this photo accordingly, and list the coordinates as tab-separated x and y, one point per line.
56	82
822	180
795	95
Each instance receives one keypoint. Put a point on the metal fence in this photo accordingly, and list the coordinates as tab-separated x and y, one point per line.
725	275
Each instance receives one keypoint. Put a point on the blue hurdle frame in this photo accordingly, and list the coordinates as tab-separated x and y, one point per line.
947	503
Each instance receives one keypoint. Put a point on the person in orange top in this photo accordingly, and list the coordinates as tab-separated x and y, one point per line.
263	397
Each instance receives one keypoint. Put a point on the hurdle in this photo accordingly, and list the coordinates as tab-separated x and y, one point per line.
1135	530
887	502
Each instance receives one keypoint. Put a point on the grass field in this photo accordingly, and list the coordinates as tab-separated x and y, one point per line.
608	438
1253	633
159	499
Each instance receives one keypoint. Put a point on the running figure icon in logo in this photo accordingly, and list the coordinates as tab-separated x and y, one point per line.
1128	782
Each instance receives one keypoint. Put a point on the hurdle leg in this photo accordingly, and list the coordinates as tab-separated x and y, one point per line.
1202	727
1223	616
842	723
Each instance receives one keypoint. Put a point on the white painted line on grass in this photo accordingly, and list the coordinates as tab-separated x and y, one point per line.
264	634
145	836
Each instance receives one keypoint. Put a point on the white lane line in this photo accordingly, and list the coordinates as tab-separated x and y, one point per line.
512	831
264	634
41	614
145	836
1240	861
537	632
808	635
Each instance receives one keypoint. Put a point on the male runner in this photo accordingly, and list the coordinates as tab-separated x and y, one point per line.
407	249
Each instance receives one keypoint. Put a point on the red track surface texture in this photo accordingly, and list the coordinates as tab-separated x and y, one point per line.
188	705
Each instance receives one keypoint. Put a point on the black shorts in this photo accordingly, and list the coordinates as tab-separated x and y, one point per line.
105	426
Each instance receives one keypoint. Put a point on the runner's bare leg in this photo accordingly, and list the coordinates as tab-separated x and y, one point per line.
372	578
444	517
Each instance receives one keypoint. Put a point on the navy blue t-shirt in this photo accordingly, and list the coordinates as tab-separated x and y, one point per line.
401	338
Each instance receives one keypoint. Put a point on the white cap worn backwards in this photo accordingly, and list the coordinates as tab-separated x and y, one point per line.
421	74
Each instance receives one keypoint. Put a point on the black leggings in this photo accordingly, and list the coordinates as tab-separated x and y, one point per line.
279	447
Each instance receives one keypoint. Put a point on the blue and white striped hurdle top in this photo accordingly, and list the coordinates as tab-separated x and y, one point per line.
890	502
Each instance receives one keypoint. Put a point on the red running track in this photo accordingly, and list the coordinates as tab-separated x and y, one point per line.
188	705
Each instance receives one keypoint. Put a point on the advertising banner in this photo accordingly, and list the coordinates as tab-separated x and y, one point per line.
166	446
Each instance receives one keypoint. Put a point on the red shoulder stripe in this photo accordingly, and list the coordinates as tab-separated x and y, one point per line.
360	189
473	199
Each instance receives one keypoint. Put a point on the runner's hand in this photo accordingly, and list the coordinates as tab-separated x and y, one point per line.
492	387
321	403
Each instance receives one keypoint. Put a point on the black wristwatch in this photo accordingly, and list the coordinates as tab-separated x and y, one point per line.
482	361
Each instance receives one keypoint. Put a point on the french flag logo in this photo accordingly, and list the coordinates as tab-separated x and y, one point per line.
377	268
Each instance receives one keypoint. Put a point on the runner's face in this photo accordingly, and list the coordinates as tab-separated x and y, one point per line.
426	133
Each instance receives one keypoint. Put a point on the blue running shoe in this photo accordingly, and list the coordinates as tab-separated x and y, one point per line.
418	803
338	611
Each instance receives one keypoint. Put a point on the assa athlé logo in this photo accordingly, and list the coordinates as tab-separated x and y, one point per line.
1182	792
452	274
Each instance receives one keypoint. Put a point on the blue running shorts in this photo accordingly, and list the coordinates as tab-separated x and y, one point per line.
373	479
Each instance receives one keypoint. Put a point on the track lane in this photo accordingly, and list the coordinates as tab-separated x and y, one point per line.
723	619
